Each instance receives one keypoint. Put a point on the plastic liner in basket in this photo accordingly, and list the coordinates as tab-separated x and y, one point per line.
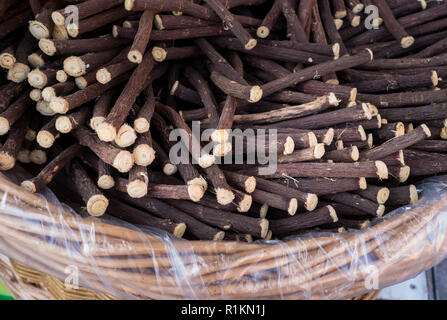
133	262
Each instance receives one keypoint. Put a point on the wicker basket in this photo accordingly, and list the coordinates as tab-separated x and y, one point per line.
139	264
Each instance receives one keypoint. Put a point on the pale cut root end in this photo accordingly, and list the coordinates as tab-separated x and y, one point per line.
245	204
219	236
36	61
195	192
47	46
255	94
135	56
404	174
18	73
380	211
97	205
371	54
35	95
382	195
220	136
264	224
106	132
413	194
221	149
338	23
179	230
159	54
144	155
406	42
37	79
355	22
126	136
332	213
410	127
358	8
141	125
311	202
137	189
329	136
45	139
333	81
353	95
7	161
319	151
61	76
106	182
38	30
250	184
48	93
434	78
29	186
367	111
206	160
58	18
158	22
263	32
60	33
59	105
74	66
224	196
63	124
340	14
293	206
169	169
444	133
426	130
263	210
400	129
336	50
289	146
332	98
174	88
199	181
355	154
96	121
129	4
362	183
124	161
313	141
365	224
362	132
4	126
7	61
73	30
370	140
38	157
423	4
251	44
382	170
23	156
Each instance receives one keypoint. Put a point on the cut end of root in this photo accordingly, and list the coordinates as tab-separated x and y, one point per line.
74	66
141	125
96	121
426	130
319	151
23	156
61	76
332	213
4	126
250	184
106	132
59	105
355	154
340	14
367	111
220	150
129	4
263	32
311	202
404	174
263	210
97	205
336	51
255	94
413	194
355	22
144	155
382	195
371	54
169	169
36	60
206	160
199	181
329	136
7	162
29	186
358	8
423	4
219	236
48	93
245	204
159	54
362	132
63	124
179	230
137	189
35	95
38	30
434	78
125	136
73	30
37	79
338	23
7	60
58	18
220	136
60	33
444	133
313	141
406	42
224	196
124	161
106	182
264	224
135	56
293	206
251	44
47	46
380	211
382	170
18	73
333	101
195	192
289	146
45	139
362	183
158	22
38	157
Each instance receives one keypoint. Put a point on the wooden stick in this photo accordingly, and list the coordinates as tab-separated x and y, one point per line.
65	124
11	147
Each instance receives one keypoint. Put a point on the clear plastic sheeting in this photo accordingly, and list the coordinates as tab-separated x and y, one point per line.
132	262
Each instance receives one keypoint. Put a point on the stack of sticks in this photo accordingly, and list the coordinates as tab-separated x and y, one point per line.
352	106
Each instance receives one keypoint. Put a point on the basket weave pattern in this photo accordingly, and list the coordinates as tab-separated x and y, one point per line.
143	265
